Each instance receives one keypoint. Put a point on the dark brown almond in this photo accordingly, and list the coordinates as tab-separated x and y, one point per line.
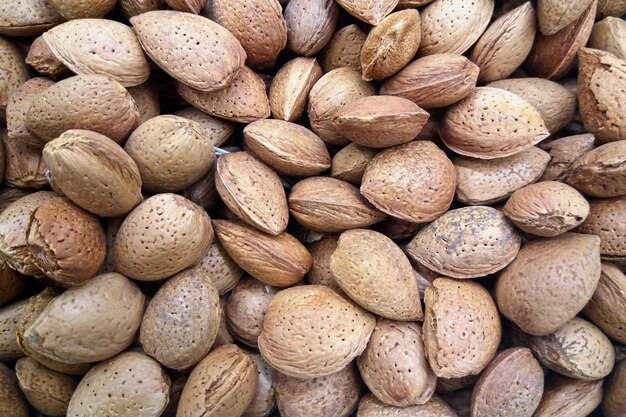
12	283
607	219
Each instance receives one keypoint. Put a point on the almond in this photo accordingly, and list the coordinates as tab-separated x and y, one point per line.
203	192
191	6
564	152
25	167
81	9
492	123
11	283
371	11
615	8
434	81
310	25
264	400
289	91
9	317
555	15
570	398
609	35
320	272
390	45
344	49
132	8
14	68
606	219
350	162
27	17
12	402
608	300
613	404
43	60
17	108
370	406
217	131
223	272
146	98
380	121
413	182
601	172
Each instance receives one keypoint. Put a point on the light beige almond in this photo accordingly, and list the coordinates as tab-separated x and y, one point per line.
344	49
607	301
350	162
615	8
369	11
217	131
27	17
17	108
609	35
564	151
289	90
310	25
554	15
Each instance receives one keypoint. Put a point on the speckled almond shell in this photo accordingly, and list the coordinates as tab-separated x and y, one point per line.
258	197
321	251
608	301
287	147
601	172
27	17
607	219
344	49
218	131
43	60
244	100
329	205
279	260
81	9
92	102
549	282
370	406
146	98
17	107
12	402
511	386
94	172
162	236
555	15
104	390
443	29
100	46
220	268
11	64
24	165
196	51
468	242
609	35
413	182
434	81
289	90
570	398
295	341
369	11
9	317
400	381
88	323
310	24
334	395
374	272
613	403
350	162
233	375
461	327
564	152
188	297
264	400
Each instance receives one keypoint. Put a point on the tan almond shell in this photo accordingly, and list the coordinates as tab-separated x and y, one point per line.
413	182
110	307
12	64
188	297
614	403
307	313
492	123
374	272
191	6
104	390
12	402
264	400
162	236
290	88
608	301
132	8
329	94
555	103
17	108
25	167
209	63
434	81
461	327
246	307
82	9
92	102
601	172
223	272
391	45
329	205
287	147
350	162
12	283
609	35
320	272
9	195
505	44
119	55
9	317
94	172
217	131
549	282
370	406
371	12
441	33
403	381
607	219
547	208
146	98
615	8
279	260
344	49
310	24
258	25
468	242
258	198
46	390
233	375
27	17
243	100
600	79
334	395
554	15
570	398
553	56
43	60
564	151
511	386
380	121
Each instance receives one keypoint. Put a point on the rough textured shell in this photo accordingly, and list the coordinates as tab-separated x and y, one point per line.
350	162
615	8
290	88
334	395
88	323
24	166
409	382
162	236
264	400
9	317
369	11
461	327
279	260
413	182
374	272
608	301
94	172
100	46
609	35
104	391
564	152
12	402
321	251
434	81
258	198
310	24
492	123
42	59
344	49
468	242
92	102
452	26
11	283
146	98
313	354
81	9
217	131
555	15
607	219
613	403
219	267
17	107
549	282
27	17
570	398
231	373
190	298
370	406
14	70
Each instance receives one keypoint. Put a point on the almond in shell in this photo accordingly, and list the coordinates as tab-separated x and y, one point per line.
613	403
310	25
82	9
350	162
321	251
12	402
601	172
17	108
564	151
609	35
223	272
554	15
12	283
27	17
217	131
370	406
25	167
9	317
344	49
43	60
264	400
289	90
369	11
615	8
608	301
607	220
568	397
14	68
190	6
132	8
146	98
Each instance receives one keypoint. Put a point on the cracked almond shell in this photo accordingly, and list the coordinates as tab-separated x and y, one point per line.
608	302
27	17
290	88
43	60
607	219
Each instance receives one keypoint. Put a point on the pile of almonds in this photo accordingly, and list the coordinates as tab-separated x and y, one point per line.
312	208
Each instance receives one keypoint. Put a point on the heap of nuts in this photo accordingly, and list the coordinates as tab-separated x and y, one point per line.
312	208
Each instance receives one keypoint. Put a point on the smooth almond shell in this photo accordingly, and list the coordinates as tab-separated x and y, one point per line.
289	91
43	60
81	9
554	15
215	263
570	398
609	35
344	49
17	108
370	406
217	131
607	301
350	162
613	404
310	25
9	317
564	151
11	64
12	402
369	11
607	220
549	282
